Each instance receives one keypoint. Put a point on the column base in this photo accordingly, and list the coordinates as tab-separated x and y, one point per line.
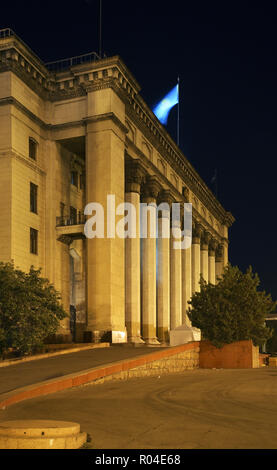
135	340
152	342
163	335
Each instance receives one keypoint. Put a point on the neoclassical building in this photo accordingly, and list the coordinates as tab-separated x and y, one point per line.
73	132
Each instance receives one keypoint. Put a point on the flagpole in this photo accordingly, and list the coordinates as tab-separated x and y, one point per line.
178	114
100	29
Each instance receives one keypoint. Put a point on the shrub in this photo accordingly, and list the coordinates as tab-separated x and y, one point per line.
30	309
233	309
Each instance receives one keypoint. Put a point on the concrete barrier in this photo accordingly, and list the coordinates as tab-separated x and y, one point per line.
237	355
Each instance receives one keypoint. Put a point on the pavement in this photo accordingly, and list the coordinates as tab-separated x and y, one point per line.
29	373
196	409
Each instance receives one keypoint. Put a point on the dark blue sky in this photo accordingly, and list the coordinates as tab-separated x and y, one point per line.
226	59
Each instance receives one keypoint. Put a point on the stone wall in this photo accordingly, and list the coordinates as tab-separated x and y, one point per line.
169	361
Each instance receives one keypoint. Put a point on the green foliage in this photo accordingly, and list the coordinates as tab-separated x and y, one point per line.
233	309
30	309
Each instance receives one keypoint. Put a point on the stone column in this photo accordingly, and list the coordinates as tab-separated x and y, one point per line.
225	245
175	276
195	258
134	176
186	283
186	270
204	266
225	253
212	261
163	272
150	192
218	261
105	146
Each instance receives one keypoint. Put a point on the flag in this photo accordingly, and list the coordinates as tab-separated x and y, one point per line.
161	110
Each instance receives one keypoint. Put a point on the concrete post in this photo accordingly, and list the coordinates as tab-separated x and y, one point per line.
134	175
163	272
175	277
195	259
212	262
149	333
219	261
105	145
204	266
186	283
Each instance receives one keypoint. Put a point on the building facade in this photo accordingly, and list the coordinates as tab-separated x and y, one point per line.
73	132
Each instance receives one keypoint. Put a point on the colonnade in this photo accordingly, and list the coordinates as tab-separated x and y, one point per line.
160	280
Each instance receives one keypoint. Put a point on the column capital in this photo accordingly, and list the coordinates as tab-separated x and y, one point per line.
219	253
205	238
212	247
196	232
151	189
165	197
135	174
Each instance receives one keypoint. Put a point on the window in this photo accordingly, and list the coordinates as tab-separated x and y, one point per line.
73	216
32	148
33	241
33	198
74	178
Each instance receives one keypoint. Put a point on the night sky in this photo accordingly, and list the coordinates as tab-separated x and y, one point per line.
225	55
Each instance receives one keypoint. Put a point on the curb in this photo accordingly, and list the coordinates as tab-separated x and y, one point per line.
12	362
86	376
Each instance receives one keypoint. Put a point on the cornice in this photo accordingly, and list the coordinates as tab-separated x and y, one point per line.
37	78
10	100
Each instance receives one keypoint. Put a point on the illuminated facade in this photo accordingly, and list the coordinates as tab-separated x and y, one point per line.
72	132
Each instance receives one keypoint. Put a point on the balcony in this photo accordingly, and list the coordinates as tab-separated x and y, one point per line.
70	228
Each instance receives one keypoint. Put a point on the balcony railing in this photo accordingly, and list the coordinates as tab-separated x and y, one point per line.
7	32
64	221
63	64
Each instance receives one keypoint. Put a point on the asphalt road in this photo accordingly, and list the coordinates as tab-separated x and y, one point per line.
28	373
198	409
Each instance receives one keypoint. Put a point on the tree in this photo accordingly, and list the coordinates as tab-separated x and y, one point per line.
233	309
30	309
